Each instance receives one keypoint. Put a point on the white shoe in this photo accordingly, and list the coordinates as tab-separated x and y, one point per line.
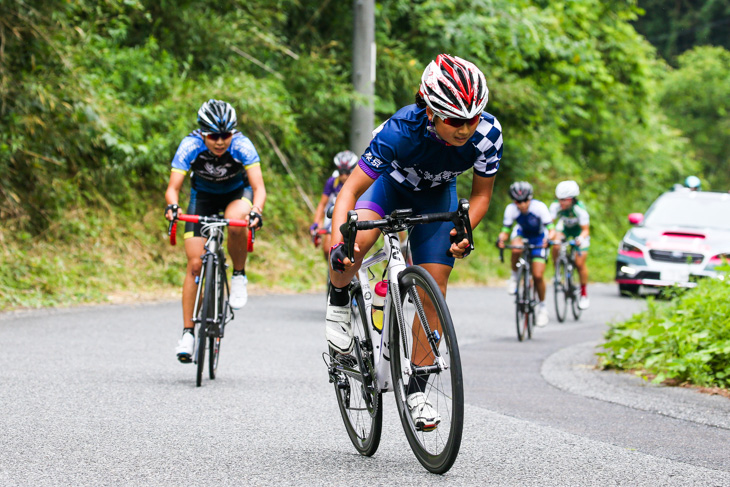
584	302
239	292
512	286
185	347
542	317
424	416
338	330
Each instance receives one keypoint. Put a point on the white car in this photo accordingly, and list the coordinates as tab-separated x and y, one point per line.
683	236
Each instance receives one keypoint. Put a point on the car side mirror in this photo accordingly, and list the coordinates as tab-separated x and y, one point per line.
636	218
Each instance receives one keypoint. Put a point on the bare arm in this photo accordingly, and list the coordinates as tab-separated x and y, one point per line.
173	190
354	187
256	180
481	195
319	212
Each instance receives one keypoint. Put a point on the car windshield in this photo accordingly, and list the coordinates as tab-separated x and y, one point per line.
690	212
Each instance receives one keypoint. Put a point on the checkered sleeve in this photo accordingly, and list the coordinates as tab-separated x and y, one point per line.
489	144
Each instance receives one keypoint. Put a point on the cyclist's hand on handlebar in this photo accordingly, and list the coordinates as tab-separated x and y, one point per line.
458	248
338	257
255	220
171	212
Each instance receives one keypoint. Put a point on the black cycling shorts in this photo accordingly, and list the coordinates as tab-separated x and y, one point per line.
211	204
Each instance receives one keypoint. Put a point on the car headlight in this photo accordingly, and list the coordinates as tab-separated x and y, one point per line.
627	247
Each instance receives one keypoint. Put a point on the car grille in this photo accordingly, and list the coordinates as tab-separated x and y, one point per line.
678	257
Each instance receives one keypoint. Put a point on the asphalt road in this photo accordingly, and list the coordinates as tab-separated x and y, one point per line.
94	396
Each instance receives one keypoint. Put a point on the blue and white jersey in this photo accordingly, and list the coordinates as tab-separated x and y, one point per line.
405	151
532	223
215	174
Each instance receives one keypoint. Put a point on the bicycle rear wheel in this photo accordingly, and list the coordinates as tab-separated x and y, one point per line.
206	314
522	304
355	386
422	301
574	289
561	298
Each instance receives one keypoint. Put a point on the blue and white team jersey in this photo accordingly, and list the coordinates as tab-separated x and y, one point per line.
213	174
532	224
405	151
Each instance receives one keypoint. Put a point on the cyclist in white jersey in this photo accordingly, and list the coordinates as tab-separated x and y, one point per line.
532	218
573	222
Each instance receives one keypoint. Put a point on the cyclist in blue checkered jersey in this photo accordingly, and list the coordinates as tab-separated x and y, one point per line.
412	162
532	218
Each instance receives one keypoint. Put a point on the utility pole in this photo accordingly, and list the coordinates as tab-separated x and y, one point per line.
363	74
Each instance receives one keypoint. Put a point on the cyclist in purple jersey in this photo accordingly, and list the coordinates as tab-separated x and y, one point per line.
226	176
345	161
412	162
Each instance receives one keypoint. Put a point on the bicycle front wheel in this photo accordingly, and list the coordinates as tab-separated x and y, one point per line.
219	321
416	368
205	317
574	287
522	304
355	386
561	298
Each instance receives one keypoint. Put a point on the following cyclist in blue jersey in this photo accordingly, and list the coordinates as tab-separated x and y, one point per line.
573	222
345	162
412	162
532	218
225	177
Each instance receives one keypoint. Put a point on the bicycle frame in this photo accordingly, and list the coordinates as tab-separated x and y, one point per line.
213	250
396	265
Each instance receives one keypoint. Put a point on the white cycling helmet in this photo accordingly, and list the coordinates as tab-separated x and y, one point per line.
345	161
454	87
567	189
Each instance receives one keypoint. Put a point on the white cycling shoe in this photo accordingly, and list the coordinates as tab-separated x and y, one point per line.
542	318
338	330
424	415
185	347
512	286
584	302
239	292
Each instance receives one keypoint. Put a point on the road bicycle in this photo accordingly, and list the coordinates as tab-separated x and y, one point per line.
417	342
526	294
211	311
566	287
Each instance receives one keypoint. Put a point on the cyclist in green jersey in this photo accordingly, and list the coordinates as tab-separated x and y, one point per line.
573	222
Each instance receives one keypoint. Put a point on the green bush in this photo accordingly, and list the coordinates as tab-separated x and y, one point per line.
686	340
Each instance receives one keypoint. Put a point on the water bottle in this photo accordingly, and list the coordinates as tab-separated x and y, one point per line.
381	289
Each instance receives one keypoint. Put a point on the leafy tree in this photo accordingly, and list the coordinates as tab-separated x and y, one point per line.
681	25
696	97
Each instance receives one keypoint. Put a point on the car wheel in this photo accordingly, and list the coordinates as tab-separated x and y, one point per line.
630	290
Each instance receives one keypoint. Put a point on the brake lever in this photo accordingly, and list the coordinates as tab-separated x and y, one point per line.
462	223
349	233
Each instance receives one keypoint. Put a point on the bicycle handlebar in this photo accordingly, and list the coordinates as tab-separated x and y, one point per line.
172	228
400	219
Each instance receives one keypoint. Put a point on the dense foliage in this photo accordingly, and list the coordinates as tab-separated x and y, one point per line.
676	27
95	95
687	340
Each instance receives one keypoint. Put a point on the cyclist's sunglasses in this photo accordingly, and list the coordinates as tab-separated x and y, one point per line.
458	122
344	171
223	136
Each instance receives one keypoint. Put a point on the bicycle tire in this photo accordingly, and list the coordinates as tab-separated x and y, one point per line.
561	297
531	305
521	306
220	319
574	291
437	449
206	311
358	398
